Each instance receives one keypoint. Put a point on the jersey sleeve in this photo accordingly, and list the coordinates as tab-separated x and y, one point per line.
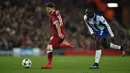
89	28
102	20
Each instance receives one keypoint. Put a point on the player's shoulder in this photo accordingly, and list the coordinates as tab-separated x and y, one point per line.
57	12
99	16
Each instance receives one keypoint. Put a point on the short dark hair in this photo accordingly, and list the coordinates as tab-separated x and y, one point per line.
88	9
50	4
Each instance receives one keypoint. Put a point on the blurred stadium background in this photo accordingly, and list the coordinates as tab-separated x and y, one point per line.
24	27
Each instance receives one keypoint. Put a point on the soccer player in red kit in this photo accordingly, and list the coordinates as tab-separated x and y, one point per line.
58	33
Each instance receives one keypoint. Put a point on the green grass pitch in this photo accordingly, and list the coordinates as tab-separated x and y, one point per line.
66	64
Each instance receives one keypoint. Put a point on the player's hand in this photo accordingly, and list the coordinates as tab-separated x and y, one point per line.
61	36
113	39
94	36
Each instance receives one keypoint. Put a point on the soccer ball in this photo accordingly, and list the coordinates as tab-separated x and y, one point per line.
26	63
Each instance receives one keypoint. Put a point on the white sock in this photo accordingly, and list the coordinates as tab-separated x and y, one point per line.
98	55
113	46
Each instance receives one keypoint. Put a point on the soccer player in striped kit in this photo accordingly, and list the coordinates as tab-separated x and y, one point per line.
99	29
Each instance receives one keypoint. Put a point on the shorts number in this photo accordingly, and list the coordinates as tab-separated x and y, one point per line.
101	32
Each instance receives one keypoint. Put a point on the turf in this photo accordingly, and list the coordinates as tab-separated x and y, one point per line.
66	64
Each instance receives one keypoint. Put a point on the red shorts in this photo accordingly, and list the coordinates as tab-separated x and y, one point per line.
55	41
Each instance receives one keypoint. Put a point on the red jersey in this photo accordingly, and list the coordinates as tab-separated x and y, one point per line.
55	16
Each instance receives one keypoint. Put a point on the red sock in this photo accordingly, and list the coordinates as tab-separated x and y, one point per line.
50	55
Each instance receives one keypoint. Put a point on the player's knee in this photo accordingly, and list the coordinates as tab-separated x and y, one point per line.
49	48
105	44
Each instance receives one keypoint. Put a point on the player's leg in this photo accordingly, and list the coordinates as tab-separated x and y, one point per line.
53	41
49	56
111	45
99	41
114	46
65	44
61	43
105	44
118	47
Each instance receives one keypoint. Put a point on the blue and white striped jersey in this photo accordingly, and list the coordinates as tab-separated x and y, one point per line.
97	23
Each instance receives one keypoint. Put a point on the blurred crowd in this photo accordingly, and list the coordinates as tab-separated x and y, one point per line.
24	23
